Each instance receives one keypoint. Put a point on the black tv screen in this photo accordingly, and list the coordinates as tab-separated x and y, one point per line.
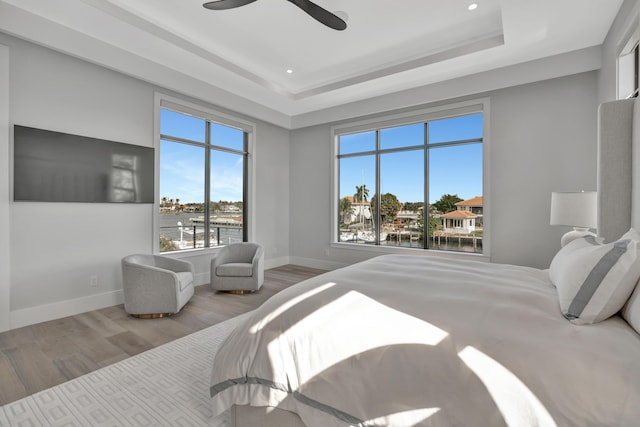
52	166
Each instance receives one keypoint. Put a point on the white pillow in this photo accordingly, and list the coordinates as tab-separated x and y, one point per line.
595	280
631	310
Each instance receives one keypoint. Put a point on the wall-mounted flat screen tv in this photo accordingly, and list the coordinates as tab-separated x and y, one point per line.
52	166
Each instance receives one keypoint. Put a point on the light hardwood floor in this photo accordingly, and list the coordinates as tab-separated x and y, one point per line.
36	357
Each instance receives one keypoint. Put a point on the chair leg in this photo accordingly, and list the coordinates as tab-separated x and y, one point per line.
238	292
152	315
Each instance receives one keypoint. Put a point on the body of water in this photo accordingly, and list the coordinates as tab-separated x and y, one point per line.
169	227
464	245
184	236
452	245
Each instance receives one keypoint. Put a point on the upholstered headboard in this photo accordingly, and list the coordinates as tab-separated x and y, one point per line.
618	167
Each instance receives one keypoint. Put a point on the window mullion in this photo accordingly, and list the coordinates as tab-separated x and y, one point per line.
181	140
425	212
378	229
245	187
358	154
454	143
207	185
228	150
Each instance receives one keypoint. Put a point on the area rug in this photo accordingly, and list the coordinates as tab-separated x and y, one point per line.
165	386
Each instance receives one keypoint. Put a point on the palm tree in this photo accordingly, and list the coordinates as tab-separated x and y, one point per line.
362	193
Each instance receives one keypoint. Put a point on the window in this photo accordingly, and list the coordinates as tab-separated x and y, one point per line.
386	171
203	168
629	67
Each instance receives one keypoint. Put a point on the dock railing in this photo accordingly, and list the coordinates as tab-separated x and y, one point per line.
183	237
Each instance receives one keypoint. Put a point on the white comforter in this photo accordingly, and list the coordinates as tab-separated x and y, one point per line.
414	341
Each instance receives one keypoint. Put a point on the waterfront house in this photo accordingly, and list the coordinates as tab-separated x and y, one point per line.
473	205
459	222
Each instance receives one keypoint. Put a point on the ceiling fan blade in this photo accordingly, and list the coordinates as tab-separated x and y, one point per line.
320	14
226	4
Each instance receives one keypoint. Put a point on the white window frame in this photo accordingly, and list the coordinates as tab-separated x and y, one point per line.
169	102
628	62
422	115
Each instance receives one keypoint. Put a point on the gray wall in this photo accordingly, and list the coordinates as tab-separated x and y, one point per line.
542	138
5	227
55	247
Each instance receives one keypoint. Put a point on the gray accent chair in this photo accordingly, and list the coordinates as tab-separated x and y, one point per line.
156	286
238	268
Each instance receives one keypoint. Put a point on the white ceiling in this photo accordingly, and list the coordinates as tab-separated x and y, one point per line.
388	47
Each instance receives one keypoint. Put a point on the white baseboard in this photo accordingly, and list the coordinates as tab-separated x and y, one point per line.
58	310
276	262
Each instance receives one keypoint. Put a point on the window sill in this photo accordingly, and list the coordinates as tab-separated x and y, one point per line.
410	251
190	253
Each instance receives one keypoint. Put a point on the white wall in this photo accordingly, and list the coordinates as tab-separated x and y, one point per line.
5	253
542	139
55	247
272	194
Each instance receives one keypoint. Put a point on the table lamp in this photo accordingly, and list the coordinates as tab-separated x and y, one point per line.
578	210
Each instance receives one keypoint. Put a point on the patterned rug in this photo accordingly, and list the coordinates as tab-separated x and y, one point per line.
166	386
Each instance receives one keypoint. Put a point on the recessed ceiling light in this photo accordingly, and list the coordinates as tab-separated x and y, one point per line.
472	6
289	71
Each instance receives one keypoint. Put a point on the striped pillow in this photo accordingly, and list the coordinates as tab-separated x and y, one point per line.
595	280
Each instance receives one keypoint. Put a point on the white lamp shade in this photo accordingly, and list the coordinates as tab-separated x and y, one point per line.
575	209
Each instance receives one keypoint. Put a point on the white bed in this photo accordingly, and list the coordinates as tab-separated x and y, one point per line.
425	341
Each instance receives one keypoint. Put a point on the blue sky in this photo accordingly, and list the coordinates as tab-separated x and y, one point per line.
452	169
182	165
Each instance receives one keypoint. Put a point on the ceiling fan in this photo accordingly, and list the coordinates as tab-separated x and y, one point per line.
315	11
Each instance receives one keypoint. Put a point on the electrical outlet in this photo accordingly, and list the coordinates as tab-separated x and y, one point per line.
93	280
